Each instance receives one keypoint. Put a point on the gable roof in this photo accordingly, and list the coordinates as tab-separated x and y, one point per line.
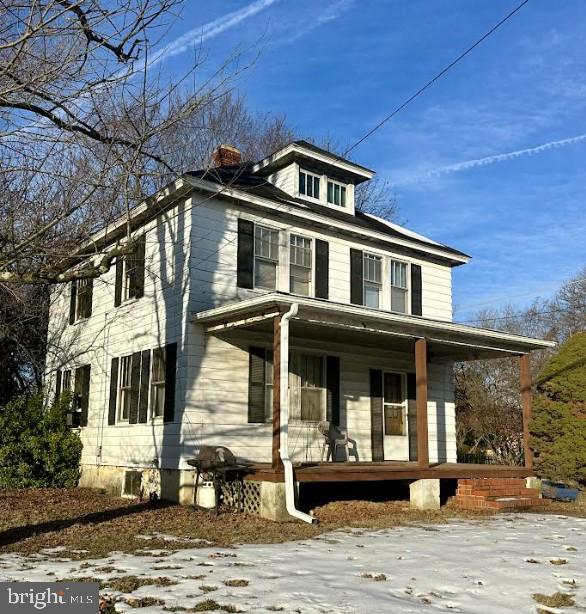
243	178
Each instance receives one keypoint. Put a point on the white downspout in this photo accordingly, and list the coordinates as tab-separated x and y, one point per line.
284	402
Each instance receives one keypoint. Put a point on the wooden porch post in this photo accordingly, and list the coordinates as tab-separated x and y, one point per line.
421	401
276	458
526	403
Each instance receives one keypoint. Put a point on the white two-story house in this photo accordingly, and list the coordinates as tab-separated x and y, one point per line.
258	303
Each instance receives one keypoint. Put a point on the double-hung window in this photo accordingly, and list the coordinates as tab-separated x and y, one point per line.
83	308
125	388
393	404
336	194
266	257
372	268
309	184
66	381
300	265
158	383
398	286
307	388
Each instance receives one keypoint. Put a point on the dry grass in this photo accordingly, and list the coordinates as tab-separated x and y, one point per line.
82	519
557	600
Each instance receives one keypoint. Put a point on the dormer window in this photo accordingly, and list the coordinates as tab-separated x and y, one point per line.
309	184
336	194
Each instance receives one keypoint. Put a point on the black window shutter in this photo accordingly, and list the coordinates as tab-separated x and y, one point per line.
137	289
416	299
84	391
170	377
135	384
256	385
73	301
333	386
376	414
322	269
245	258
118	285
90	297
58	376
356	277
411	396
143	403
113	392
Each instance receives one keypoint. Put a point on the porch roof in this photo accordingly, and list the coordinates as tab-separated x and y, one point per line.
328	320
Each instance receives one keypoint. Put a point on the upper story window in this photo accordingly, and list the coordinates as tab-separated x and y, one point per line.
336	194
398	286
300	265
309	184
80	306
266	257
130	274
372	286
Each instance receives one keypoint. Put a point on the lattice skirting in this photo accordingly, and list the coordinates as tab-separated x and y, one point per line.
246	492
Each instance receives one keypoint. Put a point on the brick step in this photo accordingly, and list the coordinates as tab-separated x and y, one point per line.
495	492
496	503
484	482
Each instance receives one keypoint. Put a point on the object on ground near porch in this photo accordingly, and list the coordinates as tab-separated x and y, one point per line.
220	467
558	491
334	438
498	494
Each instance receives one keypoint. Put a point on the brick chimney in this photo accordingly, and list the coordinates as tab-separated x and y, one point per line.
226	155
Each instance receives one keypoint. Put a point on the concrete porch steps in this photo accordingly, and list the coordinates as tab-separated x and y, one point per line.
499	494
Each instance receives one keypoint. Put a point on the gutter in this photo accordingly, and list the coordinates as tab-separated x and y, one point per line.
284	402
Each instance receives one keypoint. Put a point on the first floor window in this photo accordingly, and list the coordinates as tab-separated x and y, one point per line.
66	381
158	383
125	388
336	194
300	265
309	184
307	391
393	404
398	286
266	257
372	266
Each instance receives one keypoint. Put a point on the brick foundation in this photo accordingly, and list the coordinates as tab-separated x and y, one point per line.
499	494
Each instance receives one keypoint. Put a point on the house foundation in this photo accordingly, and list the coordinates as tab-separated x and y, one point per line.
425	494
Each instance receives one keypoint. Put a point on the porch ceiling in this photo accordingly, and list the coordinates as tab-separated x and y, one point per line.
355	325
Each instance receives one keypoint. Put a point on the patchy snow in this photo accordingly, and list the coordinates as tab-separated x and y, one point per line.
492	565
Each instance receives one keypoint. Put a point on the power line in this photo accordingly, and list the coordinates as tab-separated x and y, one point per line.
519	314
434	79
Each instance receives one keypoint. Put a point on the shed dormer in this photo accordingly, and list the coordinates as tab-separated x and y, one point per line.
314	175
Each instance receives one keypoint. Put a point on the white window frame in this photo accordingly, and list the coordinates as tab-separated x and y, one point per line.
407	287
126	390
365	281
266	259
313	176
157	384
295	394
402	405
343	190
311	289
66	381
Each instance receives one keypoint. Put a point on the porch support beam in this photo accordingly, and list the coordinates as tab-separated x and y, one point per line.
421	402
527	405
276	457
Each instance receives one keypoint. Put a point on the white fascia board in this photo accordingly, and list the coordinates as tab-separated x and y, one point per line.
366	313
308	215
341	163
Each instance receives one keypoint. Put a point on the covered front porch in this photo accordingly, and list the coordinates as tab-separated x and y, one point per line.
426	347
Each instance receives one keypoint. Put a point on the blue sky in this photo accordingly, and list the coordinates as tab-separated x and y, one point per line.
337	67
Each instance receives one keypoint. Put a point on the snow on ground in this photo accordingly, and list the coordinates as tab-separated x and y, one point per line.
490	566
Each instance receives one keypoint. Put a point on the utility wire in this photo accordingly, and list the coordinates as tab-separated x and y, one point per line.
438	76
519	314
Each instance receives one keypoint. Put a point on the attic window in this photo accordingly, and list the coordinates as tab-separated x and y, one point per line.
309	184
336	194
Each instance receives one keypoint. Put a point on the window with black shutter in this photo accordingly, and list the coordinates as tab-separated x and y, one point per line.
130	273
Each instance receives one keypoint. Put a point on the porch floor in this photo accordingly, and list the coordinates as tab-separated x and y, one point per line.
388	470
